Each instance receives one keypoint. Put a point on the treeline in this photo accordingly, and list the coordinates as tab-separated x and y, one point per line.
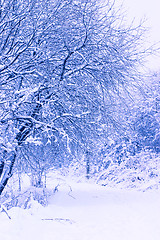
68	82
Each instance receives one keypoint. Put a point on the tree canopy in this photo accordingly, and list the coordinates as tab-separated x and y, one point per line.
65	68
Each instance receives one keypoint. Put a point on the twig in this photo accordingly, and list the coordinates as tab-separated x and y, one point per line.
3	209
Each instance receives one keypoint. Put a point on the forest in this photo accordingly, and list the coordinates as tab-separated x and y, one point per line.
75	97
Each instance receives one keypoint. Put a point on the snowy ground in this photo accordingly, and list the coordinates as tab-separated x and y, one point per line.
88	212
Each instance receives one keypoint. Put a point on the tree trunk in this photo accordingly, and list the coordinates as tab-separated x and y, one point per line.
6	166
1	167
7	170
87	165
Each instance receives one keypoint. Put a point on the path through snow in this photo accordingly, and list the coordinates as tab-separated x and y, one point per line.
88	212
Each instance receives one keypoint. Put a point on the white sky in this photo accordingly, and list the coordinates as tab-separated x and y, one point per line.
150	9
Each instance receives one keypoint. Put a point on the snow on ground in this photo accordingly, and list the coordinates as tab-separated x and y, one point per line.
85	211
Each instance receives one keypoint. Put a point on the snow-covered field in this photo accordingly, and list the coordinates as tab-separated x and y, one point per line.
85	211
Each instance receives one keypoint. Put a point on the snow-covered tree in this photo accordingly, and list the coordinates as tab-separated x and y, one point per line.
65	67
